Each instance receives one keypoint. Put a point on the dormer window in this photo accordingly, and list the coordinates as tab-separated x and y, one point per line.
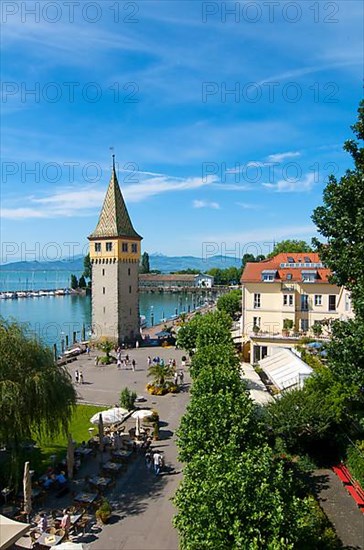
268	275
97	247
309	276
108	247
124	247
134	248
289	276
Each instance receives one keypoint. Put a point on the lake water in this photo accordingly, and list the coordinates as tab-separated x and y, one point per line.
35	280
51	318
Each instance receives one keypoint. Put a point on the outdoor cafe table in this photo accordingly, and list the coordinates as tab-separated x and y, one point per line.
87	498
100	481
49	540
112	467
83	451
123	455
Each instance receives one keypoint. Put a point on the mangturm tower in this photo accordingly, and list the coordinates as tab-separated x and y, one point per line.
114	255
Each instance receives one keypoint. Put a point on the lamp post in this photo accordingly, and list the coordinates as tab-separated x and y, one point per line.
62	342
151	316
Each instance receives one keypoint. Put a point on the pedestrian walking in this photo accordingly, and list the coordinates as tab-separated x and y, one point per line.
149	360
181	376
175	378
77	376
157	461
118	363
148	460
133	363
137	344
80	377
127	359
88	350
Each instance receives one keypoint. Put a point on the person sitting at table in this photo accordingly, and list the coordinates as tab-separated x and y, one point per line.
43	522
61	480
49	481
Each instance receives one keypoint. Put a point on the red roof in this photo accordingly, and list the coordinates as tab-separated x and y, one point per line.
253	271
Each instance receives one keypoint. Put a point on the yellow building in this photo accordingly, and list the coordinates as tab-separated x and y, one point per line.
114	255
283	297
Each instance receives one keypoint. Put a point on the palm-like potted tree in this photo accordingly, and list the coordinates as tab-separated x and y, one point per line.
106	347
161	374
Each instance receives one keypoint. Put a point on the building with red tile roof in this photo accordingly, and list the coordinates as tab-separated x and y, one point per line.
288	289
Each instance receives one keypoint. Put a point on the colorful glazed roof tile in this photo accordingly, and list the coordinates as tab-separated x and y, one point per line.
114	220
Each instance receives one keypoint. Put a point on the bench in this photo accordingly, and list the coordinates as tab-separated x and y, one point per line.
356	496
341	474
352	486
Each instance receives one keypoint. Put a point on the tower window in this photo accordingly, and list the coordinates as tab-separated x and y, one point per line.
134	248
129	289
128	270
104	309
124	247
103	290
103	271
97	247
108	247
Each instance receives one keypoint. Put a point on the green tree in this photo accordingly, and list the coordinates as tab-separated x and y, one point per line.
106	346
187	334
160	373
87	267
217	274
74	282
290	245
341	221
127	399
82	282
230	303
36	395
214	356
145	266
232	500
213	327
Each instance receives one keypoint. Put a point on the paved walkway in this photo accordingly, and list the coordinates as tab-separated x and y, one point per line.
340	508
142	505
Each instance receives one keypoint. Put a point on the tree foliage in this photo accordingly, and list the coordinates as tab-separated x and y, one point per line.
212	328
145	265
82	282
74	282
87	267
290	245
36	395
214	356
160	373
341	221
127	399
247	500
230	303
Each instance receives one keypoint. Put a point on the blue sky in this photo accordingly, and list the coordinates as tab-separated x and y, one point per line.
224	125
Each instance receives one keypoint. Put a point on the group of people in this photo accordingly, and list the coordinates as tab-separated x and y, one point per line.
79	376
155	459
178	377
124	361
65	522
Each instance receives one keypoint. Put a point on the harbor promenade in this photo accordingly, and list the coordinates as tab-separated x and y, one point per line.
142	507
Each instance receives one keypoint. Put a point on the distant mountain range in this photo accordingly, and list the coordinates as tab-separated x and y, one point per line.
162	263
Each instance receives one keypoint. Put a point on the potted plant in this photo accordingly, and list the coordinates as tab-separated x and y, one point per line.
256	329
104	511
287	326
317	329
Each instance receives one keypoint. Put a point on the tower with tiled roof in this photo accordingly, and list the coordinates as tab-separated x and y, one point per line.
115	255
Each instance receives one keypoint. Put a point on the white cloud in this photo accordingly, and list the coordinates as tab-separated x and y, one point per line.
279	157
286	186
206	204
71	202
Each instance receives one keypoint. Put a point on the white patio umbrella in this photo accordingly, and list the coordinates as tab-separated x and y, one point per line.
68	545
101	433
110	416
142	413
27	489
11	531
137	426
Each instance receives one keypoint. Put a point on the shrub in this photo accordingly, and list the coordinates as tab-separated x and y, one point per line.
127	398
104	511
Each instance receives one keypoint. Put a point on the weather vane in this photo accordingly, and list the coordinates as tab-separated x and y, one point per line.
113	157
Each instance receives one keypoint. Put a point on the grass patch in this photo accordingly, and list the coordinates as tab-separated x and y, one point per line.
40	457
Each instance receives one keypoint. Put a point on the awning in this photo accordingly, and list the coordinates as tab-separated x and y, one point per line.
11	531
285	369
